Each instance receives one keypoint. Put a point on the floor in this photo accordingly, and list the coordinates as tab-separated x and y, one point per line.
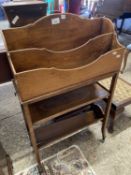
110	158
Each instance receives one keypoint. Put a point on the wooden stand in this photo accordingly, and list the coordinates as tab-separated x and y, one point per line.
57	87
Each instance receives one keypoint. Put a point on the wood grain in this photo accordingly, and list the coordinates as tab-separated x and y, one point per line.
24	60
42	81
70	32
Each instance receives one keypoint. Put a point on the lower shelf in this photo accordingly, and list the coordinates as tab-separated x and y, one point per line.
64	126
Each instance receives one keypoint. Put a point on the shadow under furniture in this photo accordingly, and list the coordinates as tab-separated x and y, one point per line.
58	85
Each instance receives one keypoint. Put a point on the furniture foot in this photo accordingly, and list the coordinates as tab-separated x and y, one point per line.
41	169
111	126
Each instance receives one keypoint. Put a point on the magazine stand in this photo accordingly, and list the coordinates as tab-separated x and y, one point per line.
56	76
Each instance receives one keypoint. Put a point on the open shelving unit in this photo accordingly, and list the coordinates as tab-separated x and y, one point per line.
56	75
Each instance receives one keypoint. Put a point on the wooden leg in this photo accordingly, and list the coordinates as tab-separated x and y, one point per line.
32	136
108	106
125	61
9	164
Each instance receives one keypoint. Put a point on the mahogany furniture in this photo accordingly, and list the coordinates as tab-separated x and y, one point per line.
24	12
56	76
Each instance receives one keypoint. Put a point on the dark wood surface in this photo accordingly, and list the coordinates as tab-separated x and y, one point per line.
23	13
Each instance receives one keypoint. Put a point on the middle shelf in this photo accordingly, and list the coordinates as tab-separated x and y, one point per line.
51	108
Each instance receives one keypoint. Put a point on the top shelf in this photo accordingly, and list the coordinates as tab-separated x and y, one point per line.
51	108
